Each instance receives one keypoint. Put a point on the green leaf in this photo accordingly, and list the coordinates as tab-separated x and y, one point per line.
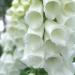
25	71
1	50
74	59
39	71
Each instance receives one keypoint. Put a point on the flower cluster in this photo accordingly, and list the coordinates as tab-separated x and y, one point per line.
39	34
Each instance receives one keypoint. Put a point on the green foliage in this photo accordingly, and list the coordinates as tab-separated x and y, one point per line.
8	3
4	5
1	50
39	71
74	59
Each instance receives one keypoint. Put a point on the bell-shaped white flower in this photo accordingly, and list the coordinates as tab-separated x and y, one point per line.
49	49
1	26
33	42
18	53
51	8
7	60
16	30
55	65
38	32
56	32
33	60
51	64
50	26
68	7
61	19
59	36
70	23
34	16
71	40
19	65
7	41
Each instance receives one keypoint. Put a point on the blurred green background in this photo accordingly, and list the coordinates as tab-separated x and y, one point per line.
4	5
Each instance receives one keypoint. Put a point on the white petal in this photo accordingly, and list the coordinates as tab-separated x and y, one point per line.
51	8
1	26
58	36
38	32
50	49
7	58
33	42
34	17
33	61
70	23
68	7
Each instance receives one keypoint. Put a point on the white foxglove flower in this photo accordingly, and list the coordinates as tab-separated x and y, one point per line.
71	40
16	31
59	36
15	3
61	19
68	7
1	26
51	64
55	66
7	59
38	32
7	42
56	32
51	8
70	23
18	53
50	26
19	65
50	49
33	42
33	60
34	16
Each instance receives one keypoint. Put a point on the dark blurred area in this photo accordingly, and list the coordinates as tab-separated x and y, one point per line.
1	50
8	3
4	5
